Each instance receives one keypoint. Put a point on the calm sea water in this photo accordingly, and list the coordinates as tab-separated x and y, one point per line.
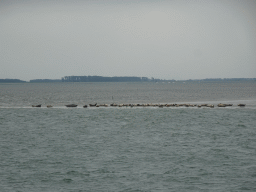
123	148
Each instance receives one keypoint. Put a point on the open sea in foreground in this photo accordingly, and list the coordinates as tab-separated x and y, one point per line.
124	148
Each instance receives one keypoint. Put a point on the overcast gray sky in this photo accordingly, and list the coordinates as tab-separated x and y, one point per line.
172	39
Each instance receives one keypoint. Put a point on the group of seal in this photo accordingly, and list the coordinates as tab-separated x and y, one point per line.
147	105
48	106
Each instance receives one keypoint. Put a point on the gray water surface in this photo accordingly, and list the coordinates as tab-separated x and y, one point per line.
60	94
126	149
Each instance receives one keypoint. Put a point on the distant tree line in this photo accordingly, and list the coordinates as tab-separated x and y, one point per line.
11	81
44	80
116	79
102	79
239	79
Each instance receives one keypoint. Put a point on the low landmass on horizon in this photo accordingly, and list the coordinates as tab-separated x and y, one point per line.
115	79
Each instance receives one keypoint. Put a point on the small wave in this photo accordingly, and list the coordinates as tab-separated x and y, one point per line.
67	180
241	125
